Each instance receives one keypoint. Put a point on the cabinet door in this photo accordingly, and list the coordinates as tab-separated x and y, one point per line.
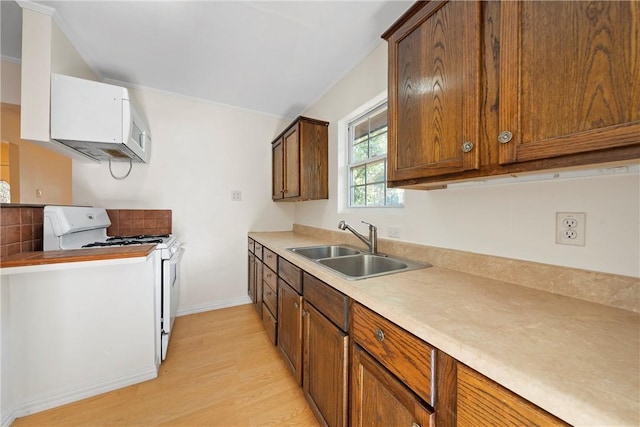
378	398
292	163
251	288
569	75
434	96
277	163
258	285
290	328
325	367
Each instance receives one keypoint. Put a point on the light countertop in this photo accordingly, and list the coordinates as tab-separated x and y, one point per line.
576	359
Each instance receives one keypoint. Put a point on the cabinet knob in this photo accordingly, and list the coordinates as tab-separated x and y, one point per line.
268	293
415	425
467	146
305	313
504	137
295	305
379	334
268	275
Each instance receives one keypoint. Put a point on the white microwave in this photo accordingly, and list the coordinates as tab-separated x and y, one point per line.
97	120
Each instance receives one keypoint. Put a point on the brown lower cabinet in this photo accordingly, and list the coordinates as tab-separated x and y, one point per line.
390	378
254	288
270	302
379	399
251	288
481	401
290	328
326	351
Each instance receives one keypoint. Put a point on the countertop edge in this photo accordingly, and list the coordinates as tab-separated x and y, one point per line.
43	259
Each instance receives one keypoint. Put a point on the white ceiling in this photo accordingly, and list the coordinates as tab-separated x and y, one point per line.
275	57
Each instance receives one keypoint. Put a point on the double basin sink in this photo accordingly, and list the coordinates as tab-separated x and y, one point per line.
354	264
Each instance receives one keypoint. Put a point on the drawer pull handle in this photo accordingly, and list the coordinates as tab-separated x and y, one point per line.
268	293
379	334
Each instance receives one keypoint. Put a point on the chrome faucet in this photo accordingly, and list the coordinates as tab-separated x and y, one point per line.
371	242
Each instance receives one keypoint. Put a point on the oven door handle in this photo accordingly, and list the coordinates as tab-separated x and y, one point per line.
177	256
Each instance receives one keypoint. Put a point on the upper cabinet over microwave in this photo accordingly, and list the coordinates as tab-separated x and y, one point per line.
300	161
501	87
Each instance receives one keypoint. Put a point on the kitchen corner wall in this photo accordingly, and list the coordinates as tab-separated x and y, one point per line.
509	220
200	153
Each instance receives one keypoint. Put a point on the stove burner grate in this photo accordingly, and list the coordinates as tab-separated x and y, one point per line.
113	242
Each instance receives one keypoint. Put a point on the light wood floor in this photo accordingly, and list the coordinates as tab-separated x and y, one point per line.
221	370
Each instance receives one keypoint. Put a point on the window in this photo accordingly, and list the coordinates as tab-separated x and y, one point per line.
368	162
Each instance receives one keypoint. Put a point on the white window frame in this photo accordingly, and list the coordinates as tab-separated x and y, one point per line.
350	164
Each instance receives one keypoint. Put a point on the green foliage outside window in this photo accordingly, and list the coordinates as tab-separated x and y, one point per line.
368	162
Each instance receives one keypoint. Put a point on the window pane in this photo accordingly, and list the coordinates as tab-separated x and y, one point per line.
375	172
375	195
378	121
368	147
361	129
378	143
395	196
360	152
357	196
358	175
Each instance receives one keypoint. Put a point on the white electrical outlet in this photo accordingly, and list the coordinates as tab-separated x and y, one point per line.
570	228
393	232
236	195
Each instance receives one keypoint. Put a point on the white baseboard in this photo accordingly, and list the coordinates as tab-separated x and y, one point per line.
214	306
8	418
64	396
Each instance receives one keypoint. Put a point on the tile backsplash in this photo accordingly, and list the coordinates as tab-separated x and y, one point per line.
20	230
21	227
133	222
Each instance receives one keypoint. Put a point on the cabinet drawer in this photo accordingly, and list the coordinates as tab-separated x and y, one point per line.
251	245
290	274
270	324
270	258
482	401
333	304
257	249
270	297
406	356
270	277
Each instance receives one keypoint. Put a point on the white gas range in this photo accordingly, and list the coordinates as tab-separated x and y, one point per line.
75	227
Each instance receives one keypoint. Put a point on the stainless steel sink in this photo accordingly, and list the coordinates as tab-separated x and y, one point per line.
320	252
353	264
363	265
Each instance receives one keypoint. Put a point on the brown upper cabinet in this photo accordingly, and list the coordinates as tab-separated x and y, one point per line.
493	88
434	119
300	161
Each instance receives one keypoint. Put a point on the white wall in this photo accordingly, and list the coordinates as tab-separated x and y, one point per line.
200	152
510	220
36	71
10	81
